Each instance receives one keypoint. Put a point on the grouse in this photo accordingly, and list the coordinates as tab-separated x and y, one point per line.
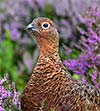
51	87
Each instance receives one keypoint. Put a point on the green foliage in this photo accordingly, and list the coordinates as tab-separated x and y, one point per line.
7	61
6	55
48	11
53	109
42	105
76	76
75	53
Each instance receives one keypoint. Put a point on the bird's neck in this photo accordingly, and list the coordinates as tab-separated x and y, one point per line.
47	46
49	57
49	60
47	63
50	63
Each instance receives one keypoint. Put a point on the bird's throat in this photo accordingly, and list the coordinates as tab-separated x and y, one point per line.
47	46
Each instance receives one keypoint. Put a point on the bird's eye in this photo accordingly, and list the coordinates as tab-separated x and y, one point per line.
45	25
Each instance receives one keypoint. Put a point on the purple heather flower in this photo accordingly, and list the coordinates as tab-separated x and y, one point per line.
15	95
88	61
5	93
29	1
8	94
65	27
14	100
78	66
13	28
94	76
84	79
13	31
1	108
41	3
60	7
4	79
15	34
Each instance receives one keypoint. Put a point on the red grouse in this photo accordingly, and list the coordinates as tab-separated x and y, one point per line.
51	87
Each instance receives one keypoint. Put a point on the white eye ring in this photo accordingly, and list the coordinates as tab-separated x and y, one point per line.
45	25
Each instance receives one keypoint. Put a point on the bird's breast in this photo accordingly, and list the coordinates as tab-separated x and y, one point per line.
43	90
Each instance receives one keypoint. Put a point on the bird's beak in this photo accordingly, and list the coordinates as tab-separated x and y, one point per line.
31	27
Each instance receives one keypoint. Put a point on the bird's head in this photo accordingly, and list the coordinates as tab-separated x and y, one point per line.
45	33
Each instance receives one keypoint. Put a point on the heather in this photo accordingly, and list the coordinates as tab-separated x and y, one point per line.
9	100
87	64
79	48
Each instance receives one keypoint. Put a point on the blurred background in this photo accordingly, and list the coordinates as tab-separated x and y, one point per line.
19	52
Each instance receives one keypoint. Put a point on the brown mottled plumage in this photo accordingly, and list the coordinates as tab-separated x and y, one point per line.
51	83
